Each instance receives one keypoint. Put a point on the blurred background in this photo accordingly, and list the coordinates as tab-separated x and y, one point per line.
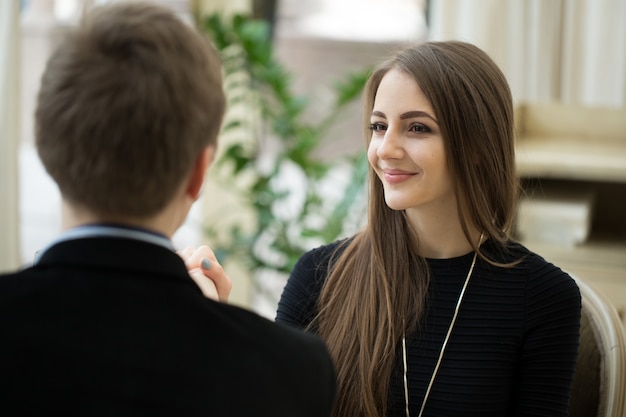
291	171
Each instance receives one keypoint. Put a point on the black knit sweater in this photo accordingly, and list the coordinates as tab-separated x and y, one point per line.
512	351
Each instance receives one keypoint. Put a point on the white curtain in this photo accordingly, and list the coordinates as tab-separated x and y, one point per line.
594	52
572	51
9	42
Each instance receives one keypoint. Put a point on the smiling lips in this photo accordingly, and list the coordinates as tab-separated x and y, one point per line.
396	176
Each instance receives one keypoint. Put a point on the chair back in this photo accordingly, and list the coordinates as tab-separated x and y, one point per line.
599	388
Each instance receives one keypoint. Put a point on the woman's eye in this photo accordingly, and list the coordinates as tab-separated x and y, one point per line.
419	128
377	127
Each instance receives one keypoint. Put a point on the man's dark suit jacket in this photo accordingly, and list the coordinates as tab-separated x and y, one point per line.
115	327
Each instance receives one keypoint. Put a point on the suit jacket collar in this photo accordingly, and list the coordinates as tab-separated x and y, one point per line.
119	255
109	230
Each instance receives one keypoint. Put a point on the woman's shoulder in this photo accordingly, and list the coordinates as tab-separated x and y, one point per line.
321	257
537	270
297	304
515	253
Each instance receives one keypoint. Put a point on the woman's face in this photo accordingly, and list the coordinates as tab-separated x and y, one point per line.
406	148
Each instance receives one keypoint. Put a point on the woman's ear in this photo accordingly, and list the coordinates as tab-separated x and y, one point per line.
196	179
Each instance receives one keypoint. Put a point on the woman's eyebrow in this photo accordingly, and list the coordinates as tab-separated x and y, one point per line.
407	115
417	113
379	114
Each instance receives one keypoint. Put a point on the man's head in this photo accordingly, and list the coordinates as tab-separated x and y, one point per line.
127	104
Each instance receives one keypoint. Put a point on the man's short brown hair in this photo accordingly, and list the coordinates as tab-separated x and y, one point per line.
127	103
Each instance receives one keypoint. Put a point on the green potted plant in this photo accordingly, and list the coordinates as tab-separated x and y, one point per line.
268	156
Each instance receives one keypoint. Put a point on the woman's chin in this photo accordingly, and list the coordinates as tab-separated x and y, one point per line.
395	204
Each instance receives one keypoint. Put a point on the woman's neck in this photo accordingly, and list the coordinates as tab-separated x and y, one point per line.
441	237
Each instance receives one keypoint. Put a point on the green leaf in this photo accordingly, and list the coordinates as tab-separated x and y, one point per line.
351	87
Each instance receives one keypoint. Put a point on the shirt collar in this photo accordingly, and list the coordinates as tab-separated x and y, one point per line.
109	230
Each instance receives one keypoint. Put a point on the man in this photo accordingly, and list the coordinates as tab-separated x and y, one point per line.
108	321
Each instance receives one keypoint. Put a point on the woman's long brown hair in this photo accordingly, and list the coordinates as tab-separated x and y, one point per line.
377	285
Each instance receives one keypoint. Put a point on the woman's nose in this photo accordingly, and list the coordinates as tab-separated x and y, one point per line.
390	147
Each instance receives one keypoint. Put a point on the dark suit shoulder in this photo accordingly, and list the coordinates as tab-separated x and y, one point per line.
158	337
296	360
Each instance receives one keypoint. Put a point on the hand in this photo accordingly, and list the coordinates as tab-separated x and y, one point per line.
207	272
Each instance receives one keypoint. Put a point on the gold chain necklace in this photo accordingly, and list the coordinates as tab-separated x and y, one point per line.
443	346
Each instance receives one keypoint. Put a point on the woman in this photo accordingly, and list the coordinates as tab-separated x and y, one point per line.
432	309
